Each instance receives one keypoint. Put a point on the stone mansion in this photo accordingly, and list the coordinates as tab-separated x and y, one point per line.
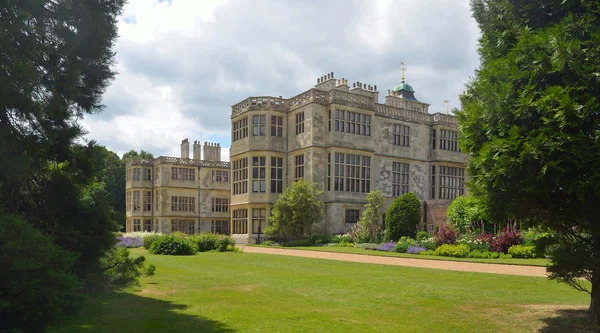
339	137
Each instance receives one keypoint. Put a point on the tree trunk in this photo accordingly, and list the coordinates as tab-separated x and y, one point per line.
594	310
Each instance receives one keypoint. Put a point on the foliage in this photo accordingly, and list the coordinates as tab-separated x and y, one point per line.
149	239
402	217
428	253
415	249
297	242
446	235
296	210
422	235
388	247
464	211
458	251
368	227
367	246
403	244
134	154
120	271
269	243
428	243
37	284
504	240
226	244
173	245
129	242
321	239
522	251
206	241
481	243
345	238
530	125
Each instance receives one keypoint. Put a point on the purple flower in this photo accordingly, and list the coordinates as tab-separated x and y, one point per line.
388	247
415	249
129	242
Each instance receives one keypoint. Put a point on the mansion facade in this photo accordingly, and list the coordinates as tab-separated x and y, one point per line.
339	137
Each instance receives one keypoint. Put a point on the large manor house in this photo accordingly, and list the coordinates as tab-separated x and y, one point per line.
336	135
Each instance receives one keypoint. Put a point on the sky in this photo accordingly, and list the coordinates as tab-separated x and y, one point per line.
182	64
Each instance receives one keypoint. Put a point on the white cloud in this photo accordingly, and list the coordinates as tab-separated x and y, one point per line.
182	64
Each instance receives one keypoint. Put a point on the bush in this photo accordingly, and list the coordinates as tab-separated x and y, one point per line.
367	246
226	244
402	217
464	211
422	235
475	243
38	286
403	244
458	251
480	254
269	243
495	255
522	251
504	240
297	242
129	242
320	239
428	253
206	241
149	239
139	234
120	271
345	238
428	243
445	236
415	249
388	247
505	256
173	245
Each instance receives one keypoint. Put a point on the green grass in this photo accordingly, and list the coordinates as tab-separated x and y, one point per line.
246	292
354	250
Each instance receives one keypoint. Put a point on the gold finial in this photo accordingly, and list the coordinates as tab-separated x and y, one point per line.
446	101
403	68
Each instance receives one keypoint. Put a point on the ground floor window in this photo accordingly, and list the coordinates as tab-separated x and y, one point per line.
147	225
240	221
219	227
259	220
137	225
352	215
185	226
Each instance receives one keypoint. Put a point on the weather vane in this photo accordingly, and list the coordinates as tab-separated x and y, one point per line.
446	101
403	68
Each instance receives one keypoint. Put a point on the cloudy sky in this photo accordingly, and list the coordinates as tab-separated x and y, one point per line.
183	63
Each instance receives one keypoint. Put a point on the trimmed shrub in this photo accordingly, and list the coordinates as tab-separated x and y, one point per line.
415	249
445	236
422	235
173	245
402	217
149	239
522	251
458	251
403	244
38	285
504	240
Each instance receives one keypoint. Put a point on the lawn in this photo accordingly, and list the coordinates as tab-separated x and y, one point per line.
354	250
245	292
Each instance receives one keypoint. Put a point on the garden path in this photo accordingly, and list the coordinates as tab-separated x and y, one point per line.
421	263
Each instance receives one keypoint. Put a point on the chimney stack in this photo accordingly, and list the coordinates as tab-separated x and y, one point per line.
212	151
185	148
196	150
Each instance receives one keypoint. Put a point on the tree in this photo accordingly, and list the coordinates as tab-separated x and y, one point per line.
368	229
135	154
531	126
296	210
402	217
464	211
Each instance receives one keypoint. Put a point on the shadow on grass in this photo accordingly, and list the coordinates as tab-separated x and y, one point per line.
568	320
123	312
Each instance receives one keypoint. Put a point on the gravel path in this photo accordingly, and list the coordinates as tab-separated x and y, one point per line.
422	263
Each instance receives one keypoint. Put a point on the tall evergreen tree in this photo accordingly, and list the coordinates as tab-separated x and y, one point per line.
531	125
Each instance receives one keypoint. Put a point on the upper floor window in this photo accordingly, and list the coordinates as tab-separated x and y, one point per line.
276	175
220	176
451	182
183	173
136	174
352	173
183	204
400	178
299	166
128	200
276	126
147	175
299	123
240	176
401	135
240	129
432	192
128	175
352	215
136	201
352	122
259	177
258	125
220	205
449	140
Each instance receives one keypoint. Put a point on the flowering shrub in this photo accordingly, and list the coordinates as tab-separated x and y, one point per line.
504	240
345	238
129	242
479	243
428	243
445	236
415	249
447	250
140	234
422	235
404	243
388	247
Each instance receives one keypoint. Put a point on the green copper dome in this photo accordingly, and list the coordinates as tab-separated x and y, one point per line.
404	86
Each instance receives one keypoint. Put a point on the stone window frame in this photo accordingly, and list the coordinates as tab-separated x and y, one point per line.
220	205
449	140
137	174
183	204
299	122
220	176
432	192
351	216
351	122
259	125
259	174
401	135
147	225
137	201
299	166
128	200
240	176
137	225
128	175
147	174
219	227
185	174
240	221
259	218
276	174
451	182
240	129
277	126
400	178
147	201
184	226
352	173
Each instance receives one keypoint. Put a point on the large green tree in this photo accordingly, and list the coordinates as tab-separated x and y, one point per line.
531	125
